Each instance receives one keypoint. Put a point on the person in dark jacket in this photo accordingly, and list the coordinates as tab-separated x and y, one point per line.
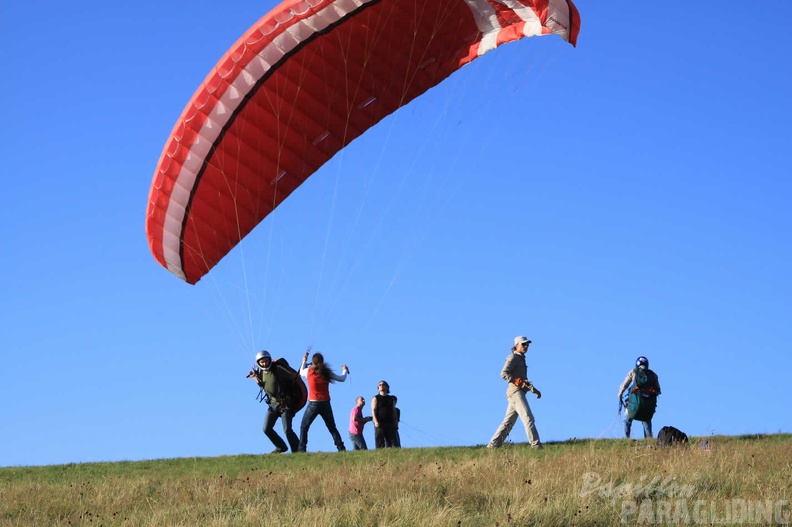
646	381
383	410
277	406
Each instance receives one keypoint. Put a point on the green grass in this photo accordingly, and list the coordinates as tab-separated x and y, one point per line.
578	482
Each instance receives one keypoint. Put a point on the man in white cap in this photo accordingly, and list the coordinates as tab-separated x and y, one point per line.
515	372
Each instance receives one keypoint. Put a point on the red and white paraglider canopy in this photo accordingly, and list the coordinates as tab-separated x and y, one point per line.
307	79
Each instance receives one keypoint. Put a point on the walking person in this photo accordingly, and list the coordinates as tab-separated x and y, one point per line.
278	404
383	410
356	424
515	372
642	386
319	376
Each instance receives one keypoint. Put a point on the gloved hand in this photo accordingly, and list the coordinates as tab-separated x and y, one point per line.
538	393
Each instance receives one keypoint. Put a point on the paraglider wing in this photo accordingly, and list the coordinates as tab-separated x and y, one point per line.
307	79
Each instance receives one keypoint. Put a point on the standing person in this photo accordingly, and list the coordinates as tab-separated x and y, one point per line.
515	372
644	387
278	405
356	423
383	410
319	376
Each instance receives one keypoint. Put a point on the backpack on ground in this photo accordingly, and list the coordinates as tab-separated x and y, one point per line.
670	436
642	398
293	392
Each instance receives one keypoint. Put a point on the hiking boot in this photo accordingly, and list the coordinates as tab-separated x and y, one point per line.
278	451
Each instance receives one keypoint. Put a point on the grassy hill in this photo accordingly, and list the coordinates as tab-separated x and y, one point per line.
724	481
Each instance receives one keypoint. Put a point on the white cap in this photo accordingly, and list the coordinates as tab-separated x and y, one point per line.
520	340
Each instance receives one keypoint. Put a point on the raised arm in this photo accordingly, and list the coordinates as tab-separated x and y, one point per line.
304	365
343	376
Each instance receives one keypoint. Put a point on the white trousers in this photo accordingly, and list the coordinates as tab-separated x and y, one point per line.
518	407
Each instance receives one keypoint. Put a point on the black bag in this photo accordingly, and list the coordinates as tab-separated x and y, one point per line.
293	390
641	406
670	436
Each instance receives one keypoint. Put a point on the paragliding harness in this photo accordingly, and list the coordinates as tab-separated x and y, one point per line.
641	401
292	391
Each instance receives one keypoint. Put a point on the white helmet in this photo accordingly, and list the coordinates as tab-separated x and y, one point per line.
263	354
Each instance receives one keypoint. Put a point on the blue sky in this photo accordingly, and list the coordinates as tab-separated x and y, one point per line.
627	197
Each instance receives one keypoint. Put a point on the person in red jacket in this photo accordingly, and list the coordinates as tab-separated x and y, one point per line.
319	376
